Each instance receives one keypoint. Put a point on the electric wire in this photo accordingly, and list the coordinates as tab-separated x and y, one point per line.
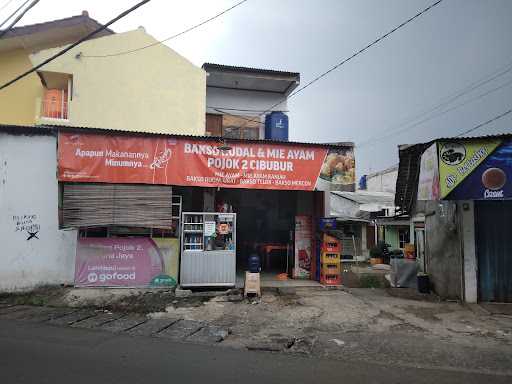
5	5
18	18
346	60
485	123
170	37
448	99
14	13
390	134
68	48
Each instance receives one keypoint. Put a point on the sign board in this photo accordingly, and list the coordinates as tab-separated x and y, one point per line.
428	183
458	160
123	262
303	247
209	228
187	162
491	177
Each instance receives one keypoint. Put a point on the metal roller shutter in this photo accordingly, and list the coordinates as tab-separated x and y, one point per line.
131	205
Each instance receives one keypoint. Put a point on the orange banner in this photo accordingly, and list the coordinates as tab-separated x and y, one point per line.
177	161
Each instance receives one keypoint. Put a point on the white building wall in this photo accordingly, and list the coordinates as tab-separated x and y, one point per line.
384	181
341	207
29	203
245	103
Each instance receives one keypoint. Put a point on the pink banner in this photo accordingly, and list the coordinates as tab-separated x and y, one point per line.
303	247
119	262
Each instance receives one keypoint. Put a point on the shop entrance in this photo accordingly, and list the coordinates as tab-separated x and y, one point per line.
265	224
492	224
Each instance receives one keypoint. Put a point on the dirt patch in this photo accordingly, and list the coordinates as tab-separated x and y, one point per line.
387	316
44	295
158	301
427	313
409	328
412	294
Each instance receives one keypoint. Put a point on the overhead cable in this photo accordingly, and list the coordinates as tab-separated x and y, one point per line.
10	17
485	123
18	18
168	38
390	134
346	60
68	48
5	5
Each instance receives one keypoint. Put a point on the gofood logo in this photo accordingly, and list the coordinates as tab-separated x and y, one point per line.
92	277
104	277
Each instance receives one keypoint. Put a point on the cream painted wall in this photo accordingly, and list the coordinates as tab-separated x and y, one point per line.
18	101
152	90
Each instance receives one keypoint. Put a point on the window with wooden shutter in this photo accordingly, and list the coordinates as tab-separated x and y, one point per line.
241	127
132	205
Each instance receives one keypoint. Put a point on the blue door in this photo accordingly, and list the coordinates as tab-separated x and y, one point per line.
493	228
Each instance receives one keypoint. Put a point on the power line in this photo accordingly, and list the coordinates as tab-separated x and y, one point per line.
5	5
237	109
60	53
247	119
378	139
485	123
18	18
12	14
346	60
448	99
170	37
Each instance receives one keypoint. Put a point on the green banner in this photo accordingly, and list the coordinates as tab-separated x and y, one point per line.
457	160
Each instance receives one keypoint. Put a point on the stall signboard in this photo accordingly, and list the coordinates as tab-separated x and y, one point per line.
303	247
459	160
94	157
491	179
428	183
125	262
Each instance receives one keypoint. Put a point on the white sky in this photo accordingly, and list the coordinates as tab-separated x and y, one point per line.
445	50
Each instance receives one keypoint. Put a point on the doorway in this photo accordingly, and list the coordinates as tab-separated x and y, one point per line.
494	249
265	220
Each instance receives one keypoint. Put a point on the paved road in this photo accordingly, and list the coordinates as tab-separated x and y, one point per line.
42	353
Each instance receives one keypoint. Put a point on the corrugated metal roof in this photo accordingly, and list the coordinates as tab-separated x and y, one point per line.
107	131
231	68
408	176
496	136
26	130
409	168
366	197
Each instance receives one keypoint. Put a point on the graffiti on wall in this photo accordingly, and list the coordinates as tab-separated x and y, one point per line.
28	224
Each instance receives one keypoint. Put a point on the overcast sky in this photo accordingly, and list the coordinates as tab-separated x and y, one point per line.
370	98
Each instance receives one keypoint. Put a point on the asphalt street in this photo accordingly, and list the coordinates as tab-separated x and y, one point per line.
42	353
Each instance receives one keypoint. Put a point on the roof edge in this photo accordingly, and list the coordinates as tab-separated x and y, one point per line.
233	68
49	129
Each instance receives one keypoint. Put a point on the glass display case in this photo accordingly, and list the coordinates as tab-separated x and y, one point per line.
208	256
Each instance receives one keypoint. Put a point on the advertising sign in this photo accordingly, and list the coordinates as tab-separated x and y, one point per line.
303	247
123	262
491	179
178	161
458	160
428	183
